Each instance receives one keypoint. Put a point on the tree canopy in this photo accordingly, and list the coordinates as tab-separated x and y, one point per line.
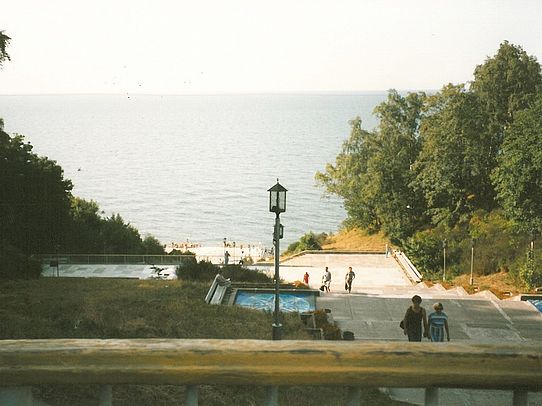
436	163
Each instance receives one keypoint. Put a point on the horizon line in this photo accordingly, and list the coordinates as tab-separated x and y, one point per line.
261	93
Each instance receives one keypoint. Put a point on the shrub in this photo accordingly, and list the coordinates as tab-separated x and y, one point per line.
331	331
310	241
15	265
531	271
425	250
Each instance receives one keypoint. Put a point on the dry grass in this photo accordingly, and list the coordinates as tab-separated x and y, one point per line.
500	284
356	239
102	308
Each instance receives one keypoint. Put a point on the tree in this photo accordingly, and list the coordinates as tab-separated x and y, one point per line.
85	229
120	237
506	83
35	198
347	177
152	246
4	42
451	170
518	177
389	175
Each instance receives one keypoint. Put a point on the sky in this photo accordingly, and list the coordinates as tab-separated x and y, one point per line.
253	46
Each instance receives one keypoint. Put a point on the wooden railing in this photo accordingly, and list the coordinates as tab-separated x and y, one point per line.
268	363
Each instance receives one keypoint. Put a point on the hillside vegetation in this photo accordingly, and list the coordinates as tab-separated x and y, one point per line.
106	308
456	169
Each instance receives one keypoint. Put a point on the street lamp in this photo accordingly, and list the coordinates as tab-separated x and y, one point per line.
471	260
277	205
444	243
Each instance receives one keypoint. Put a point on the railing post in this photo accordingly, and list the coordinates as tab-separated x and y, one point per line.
353	396
431	397
19	395
520	398
106	395
272	397
191	395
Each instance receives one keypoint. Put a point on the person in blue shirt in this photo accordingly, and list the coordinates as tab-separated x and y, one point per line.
438	324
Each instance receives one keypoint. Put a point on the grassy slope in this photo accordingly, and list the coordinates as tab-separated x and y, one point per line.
356	239
100	308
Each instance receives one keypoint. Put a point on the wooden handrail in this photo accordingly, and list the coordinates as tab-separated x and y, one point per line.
257	362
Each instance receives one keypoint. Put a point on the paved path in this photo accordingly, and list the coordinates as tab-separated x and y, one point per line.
372	270
380	296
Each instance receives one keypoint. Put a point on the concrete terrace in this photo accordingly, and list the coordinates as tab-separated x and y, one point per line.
380	296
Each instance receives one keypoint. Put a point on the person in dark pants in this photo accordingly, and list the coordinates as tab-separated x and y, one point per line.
348	279
414	317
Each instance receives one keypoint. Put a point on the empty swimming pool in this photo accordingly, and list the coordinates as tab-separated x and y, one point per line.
289	301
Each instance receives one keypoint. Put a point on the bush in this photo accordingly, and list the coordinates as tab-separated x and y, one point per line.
309	241
531	271
331	331
206	271
15	265
425	250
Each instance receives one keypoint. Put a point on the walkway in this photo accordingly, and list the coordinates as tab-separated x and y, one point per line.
372	270
380	296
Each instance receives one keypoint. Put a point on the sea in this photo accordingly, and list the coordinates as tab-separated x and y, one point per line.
197	168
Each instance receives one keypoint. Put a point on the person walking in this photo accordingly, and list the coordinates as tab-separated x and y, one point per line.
306	278
326	279
414	317
348	279
438	323
226	258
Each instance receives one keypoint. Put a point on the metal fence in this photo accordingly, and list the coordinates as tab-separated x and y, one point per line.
115	259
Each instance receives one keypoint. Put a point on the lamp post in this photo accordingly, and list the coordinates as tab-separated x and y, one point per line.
277	205
444	243
471	261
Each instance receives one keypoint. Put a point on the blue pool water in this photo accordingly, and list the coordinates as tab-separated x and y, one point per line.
537	303
288	302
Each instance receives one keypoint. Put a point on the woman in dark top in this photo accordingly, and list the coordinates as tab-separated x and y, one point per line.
412	323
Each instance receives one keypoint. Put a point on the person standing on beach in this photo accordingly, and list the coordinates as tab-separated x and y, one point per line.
412	322
348	279
438	323
226	258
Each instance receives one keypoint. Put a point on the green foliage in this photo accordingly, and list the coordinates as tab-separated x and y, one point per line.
35	198
451	171
309	241
15	265
531	270
152	246
39	215
348	176
330	330
424	249
518	179
505	84
90	232
464	162
206	271
99	308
